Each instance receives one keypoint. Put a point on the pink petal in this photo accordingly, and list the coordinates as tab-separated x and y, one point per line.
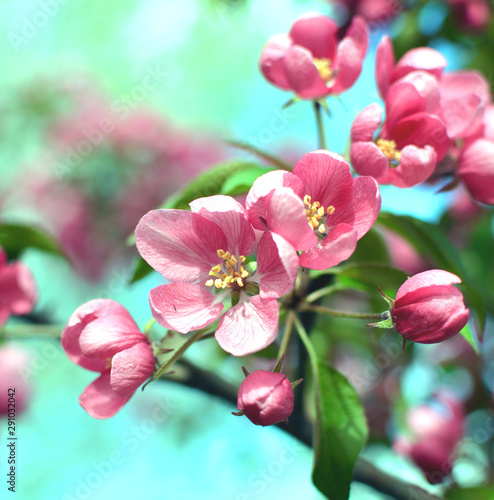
286	216
403	100
350	54
336	247
180	245
184	306
368	159
102	310
3	258
18	290
302	74
416	166
326	177
422	129
366	123
427	86
262	186
277	265
316	33
271	61
385	60
131	367
363	208
249	327
433	277
99	399
228	214
476	170
423	58
4	315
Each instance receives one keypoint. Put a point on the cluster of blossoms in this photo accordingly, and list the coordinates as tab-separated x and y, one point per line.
230	263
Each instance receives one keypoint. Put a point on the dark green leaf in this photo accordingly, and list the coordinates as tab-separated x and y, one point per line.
16	238
371	248
141	270
478	493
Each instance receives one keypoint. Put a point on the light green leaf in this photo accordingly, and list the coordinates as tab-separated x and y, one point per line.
477	493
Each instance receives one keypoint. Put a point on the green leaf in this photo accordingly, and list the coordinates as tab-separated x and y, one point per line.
15	238
371	248
241	182
141	270
268	158
340	429
477	493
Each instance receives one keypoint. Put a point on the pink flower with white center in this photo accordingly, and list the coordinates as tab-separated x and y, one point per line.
203	253
101	336
409	144
436	430
428	308
418	59
475	169
311	61
18	292
266	398
320	209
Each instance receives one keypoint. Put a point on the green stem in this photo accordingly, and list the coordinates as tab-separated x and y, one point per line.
339	314
31	331
286	334
320	127
304	336
176	355
327	290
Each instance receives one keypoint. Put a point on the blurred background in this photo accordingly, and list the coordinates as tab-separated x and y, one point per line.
108	109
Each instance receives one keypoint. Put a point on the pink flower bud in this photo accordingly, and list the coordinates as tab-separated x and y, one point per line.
428	308
265	397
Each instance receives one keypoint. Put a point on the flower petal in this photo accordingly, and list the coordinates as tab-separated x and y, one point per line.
302	74
366	123
180	245
368	159
316	33
363	208
271	61
184	306
403	100
336	247
130	368
277	265
228	214
18	290
286	216
425	279
416	166
249	327
385	60
423	58
99	399
326	177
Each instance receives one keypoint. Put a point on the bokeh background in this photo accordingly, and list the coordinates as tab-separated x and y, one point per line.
106	109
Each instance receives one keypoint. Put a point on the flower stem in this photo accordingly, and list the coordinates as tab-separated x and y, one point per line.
286	334
176	355
320	128
327	290
340	314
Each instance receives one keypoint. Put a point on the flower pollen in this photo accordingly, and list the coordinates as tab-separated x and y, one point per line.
324	67
229	273
388	147
315	212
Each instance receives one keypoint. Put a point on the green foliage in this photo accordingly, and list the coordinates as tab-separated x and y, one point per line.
15	238
477	493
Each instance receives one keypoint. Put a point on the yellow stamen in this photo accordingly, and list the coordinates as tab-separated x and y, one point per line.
315	213
230	273
323	65
388	147
209	283
321	229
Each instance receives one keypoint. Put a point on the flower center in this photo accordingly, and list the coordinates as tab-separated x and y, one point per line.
315	212
229	273
108	364
388	147
324	67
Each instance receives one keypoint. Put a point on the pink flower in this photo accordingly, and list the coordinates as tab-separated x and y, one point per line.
18	291
472	14
203	253
310	60
464	98
436	430
428	308
14	366
319	209
102	336
476	170
265	397
410	143
373	11
420	58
